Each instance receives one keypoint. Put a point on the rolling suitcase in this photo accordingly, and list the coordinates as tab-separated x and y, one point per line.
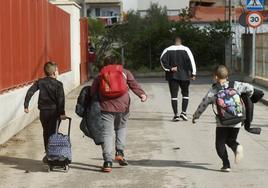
59	153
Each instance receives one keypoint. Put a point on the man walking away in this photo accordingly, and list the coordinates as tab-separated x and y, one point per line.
179	64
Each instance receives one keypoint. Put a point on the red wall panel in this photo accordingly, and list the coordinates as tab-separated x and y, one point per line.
31	33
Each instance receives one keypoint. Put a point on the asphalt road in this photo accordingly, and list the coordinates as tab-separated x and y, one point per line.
161	153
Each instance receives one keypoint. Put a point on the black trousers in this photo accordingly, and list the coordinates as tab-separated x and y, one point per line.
225	135
48	120
174	86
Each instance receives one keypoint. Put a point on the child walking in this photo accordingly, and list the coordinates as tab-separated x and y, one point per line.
51	101
226	130
112	87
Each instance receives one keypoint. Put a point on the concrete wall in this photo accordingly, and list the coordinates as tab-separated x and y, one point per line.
74	10
13	119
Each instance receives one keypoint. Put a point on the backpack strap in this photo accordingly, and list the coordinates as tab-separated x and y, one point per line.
217	86
231	84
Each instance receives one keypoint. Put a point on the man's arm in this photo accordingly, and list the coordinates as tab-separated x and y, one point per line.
29	95
164	60
191	57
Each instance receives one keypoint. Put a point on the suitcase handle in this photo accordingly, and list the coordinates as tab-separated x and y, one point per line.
59	122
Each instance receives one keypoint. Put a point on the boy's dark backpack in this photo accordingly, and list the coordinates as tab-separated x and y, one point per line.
88	108
112	81
83	101
230	107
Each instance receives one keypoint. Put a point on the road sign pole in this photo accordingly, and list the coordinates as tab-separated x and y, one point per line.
253	66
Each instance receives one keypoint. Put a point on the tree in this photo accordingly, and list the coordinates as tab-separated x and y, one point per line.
144	38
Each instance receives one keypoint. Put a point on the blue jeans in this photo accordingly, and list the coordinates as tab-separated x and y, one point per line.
118	122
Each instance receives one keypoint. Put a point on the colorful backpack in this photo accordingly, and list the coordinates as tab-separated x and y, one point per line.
230	107
113	82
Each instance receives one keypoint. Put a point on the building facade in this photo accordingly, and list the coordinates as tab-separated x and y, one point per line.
173	6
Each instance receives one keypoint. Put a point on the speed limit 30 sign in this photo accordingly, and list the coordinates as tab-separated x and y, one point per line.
254	19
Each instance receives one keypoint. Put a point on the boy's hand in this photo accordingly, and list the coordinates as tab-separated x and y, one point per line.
143	98
26	110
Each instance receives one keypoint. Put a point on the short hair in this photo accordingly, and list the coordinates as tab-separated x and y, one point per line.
50	68
221	71
110	60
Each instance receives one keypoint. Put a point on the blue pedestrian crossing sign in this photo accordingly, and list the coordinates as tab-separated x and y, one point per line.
255	5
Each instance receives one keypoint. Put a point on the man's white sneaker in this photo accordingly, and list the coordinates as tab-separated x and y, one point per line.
176	118
239	154
183	116
226	169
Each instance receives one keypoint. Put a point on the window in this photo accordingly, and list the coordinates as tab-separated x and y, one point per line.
97	12
88	13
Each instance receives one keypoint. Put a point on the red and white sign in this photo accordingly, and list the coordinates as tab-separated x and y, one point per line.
254	19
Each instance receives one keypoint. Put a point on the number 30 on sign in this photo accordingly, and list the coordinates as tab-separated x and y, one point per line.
254	19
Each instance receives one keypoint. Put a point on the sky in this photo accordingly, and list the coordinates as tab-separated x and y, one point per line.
129	4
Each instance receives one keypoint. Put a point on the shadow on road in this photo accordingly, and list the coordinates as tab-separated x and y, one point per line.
83	166
31	165
167	163
88	167
27	165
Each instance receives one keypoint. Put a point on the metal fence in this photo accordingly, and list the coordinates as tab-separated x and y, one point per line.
31	33
262	55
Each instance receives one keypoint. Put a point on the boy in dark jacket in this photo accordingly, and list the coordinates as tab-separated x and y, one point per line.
51	101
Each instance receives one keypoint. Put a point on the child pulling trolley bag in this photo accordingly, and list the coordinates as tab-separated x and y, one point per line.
59	153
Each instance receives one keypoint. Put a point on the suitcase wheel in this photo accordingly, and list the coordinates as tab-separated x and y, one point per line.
66	168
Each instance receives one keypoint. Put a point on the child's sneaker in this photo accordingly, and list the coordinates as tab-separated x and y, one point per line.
119	156
176	118
239	154
107	166
226	169
183	116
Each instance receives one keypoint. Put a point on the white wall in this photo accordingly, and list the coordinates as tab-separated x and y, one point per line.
74	10
12	118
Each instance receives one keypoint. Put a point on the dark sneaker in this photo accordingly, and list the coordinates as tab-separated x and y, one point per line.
183	116
119	157
239	154
45	160
226	169
176	118
107	166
